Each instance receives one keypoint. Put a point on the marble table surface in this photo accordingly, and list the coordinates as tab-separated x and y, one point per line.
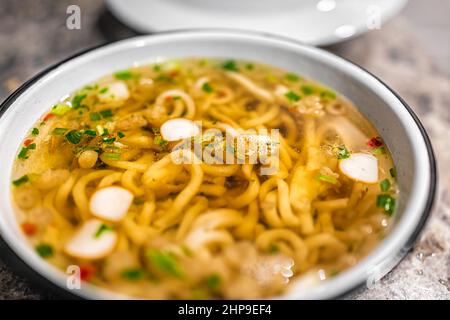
411	53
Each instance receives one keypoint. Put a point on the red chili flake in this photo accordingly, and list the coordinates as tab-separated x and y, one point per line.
48	116
29	228
86	272
375	142
27	142
169	98
173	73
221	94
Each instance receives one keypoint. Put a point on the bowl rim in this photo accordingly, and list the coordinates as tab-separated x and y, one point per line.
18	262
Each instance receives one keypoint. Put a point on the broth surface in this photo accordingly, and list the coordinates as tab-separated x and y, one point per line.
203	178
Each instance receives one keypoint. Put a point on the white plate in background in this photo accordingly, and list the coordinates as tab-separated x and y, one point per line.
315	22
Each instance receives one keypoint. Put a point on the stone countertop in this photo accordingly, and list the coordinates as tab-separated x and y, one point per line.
411	53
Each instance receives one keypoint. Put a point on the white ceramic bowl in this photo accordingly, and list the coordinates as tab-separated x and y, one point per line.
395	121
315	22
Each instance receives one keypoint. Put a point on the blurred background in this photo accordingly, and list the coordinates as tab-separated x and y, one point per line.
410	52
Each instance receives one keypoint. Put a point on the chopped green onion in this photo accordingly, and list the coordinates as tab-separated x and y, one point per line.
111	156
138	200
44	250
274	248
343	153
271	78
325	178
159	141
291	77
95	116
206	87
102	229
59	131
90	132
379	150
120	134
21	180
123	75
171	65
249	66
230	65
89	87
386	202
60	109
393	172
165	261
104	90
23	154
213	281
76	101
385	185
334	272
163	77
186	251
200	294
35	131
108	139
157	67
74	136
292	96
328	94
307	89
106	113
133	274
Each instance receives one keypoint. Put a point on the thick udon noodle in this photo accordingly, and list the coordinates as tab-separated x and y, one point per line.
203	230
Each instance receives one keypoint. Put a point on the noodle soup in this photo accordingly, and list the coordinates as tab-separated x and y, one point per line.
203	178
